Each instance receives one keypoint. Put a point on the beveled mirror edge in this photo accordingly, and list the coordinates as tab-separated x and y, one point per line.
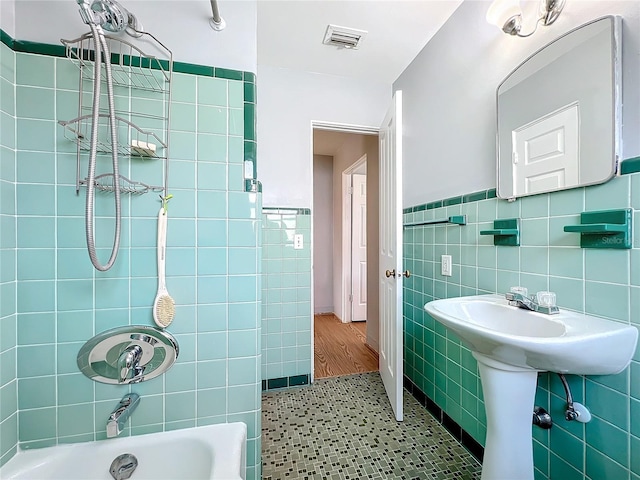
617	154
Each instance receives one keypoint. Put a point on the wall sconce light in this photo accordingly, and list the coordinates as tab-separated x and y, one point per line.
507	15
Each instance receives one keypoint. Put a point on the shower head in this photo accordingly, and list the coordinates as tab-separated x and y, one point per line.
110	15
115	18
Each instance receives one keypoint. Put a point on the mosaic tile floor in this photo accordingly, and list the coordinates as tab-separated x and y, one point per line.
342	428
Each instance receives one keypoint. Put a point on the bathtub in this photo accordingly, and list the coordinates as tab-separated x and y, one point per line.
202	453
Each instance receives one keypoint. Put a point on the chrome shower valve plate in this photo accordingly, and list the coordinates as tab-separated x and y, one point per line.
100	357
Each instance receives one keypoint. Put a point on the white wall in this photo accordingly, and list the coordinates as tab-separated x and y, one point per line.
351	151
323	234
288	102
373	237
7	16
449	95
183	26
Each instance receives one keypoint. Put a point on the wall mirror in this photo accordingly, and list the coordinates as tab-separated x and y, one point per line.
559	113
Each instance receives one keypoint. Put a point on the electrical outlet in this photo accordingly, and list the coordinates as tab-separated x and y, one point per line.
297	241
446	265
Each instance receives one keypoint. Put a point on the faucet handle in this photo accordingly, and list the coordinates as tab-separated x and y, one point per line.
520	291
546	299
129	364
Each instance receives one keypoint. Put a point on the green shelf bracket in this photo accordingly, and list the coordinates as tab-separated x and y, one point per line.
453	220
506	232
458	219
604	229
502	231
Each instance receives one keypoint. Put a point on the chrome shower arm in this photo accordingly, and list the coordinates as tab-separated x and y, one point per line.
216	22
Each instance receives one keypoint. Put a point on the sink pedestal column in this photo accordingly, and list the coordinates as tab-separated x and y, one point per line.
509	396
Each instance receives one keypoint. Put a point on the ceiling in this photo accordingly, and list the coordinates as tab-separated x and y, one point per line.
290	34
328	142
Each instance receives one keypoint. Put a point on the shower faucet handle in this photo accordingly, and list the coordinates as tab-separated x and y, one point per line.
129	364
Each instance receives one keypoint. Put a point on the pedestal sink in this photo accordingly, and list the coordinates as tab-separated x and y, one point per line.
511	346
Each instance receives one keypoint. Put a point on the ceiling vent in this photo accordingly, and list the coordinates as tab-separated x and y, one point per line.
343	37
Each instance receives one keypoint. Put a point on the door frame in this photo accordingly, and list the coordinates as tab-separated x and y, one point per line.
347	238
336	127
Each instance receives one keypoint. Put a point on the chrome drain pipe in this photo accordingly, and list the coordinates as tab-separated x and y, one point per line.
575	411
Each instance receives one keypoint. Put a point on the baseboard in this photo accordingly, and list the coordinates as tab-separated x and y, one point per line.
324	312
373	350
449	423
285	382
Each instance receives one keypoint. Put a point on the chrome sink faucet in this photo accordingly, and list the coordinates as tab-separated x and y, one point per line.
121	414
541	302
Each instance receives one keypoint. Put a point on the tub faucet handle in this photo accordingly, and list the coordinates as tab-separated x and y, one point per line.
129	364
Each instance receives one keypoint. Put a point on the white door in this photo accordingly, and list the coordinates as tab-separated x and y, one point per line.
545	152
390	274
359	247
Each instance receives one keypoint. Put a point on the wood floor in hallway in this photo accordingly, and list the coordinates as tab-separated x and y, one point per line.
340	348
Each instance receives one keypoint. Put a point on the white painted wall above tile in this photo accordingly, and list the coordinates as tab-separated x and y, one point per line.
183	26
7	16
450	87
288	102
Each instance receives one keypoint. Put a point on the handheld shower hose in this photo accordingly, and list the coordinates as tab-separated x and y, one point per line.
114	18
101	45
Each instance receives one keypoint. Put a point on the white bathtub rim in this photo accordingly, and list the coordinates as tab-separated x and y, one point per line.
227	440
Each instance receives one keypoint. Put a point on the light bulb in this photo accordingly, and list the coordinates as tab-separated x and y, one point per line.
501	11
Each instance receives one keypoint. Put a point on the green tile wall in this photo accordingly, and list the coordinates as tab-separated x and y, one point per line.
60	301
286	294
8	381
604	283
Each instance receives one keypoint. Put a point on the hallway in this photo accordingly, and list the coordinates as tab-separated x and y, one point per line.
340	348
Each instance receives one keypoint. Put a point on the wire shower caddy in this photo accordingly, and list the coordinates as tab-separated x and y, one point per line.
142	89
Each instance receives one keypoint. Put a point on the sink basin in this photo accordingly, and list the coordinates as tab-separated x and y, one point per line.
512	345
566	342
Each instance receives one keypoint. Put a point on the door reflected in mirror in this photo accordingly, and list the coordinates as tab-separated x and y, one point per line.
559	113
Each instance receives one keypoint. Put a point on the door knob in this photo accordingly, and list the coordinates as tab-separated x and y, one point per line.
390	273
406	273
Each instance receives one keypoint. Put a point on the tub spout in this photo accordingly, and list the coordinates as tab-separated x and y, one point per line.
121	414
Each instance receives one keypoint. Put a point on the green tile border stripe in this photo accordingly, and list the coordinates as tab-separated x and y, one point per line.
248	78
630	165
194	69
6	39
24	46
229	74
468	198
286	210
249	91
627	166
